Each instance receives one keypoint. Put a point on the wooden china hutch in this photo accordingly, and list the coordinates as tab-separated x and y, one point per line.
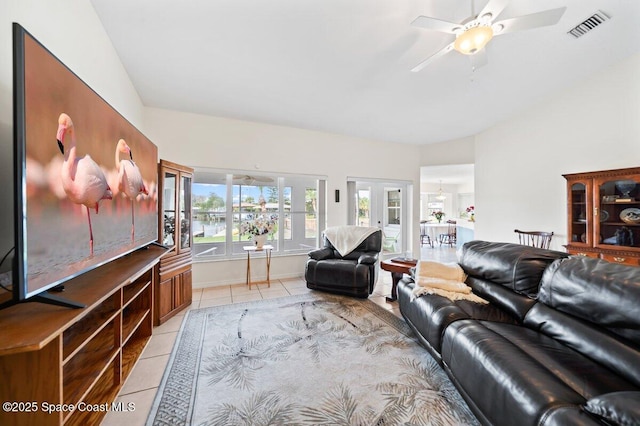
173	289
604	215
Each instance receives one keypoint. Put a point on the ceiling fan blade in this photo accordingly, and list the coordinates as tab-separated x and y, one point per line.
435	24
479	59
527	22
448	48
494	7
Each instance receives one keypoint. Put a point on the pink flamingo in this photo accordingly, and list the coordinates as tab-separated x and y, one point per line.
130	180
83	180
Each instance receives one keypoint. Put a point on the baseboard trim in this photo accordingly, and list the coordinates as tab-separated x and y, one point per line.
208	284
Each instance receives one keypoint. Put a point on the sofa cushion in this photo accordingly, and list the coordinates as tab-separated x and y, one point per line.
603	293
569	416
617	408
490	363
501	297
620	356
429	315
514	266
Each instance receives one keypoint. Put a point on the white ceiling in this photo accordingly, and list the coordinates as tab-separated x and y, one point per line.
343	66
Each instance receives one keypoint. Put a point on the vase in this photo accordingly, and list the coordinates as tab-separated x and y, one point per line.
259	240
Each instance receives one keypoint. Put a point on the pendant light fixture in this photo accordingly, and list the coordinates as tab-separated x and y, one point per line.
440	196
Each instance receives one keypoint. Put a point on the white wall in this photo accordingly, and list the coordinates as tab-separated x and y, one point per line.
205	141
71	30
456	151
519	164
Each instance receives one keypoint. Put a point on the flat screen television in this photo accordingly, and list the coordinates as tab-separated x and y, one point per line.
85	178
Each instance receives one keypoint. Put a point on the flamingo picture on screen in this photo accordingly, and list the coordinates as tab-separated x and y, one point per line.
83	180
130	180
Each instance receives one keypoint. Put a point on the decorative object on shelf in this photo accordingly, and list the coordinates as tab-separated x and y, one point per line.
625	186
472	213
631	216
624	236
604	215
439	215
610	198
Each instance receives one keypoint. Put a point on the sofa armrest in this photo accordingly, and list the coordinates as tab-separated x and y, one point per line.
321	254
368	259
616	408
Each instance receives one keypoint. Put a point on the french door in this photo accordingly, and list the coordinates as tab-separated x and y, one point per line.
382	205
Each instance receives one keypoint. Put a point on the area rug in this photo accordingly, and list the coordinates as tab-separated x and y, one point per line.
303	360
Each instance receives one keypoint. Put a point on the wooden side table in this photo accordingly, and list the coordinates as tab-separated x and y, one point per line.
267	249
397	269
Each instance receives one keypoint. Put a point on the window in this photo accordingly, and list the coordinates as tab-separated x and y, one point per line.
224	201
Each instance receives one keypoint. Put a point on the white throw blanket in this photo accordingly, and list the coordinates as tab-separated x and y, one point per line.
346	238
443	279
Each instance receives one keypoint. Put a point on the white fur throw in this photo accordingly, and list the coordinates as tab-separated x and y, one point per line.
345	239
443	279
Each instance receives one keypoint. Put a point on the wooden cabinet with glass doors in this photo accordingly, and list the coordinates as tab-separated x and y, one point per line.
604	215
173	289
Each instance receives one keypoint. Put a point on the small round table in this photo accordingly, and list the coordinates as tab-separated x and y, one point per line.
397	267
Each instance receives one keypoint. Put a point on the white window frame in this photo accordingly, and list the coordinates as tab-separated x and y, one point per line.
298	183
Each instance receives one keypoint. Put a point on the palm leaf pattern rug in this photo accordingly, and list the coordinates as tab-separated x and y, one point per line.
314	359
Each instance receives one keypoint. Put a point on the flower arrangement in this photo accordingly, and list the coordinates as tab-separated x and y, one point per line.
438	215
471	210
260	226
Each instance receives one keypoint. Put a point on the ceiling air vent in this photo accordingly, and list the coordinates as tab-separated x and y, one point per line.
589	24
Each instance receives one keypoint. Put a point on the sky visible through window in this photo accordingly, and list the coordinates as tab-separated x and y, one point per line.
248	191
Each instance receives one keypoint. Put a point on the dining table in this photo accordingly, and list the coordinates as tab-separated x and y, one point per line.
433	230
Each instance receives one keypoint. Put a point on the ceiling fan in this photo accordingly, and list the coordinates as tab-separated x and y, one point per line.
251	180
475	32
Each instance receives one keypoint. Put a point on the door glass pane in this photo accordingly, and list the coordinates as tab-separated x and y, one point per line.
168	209
619	214
392	232
364	207
185	212
393	207
579	212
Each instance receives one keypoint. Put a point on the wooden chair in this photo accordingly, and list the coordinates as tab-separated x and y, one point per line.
534	238
450	236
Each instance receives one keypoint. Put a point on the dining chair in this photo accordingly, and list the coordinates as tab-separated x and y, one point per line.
534	238
450	236
424	235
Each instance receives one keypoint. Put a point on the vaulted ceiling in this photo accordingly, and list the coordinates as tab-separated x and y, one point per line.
343	66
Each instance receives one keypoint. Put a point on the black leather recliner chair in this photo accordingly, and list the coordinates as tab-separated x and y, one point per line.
355	274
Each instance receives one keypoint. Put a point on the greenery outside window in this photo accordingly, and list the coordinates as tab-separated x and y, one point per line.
223	201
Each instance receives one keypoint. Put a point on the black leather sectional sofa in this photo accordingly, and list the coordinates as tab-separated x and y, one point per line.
558	344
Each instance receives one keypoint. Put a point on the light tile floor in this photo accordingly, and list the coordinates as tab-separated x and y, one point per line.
141	386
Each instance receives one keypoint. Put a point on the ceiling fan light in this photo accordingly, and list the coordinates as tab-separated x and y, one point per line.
473	39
